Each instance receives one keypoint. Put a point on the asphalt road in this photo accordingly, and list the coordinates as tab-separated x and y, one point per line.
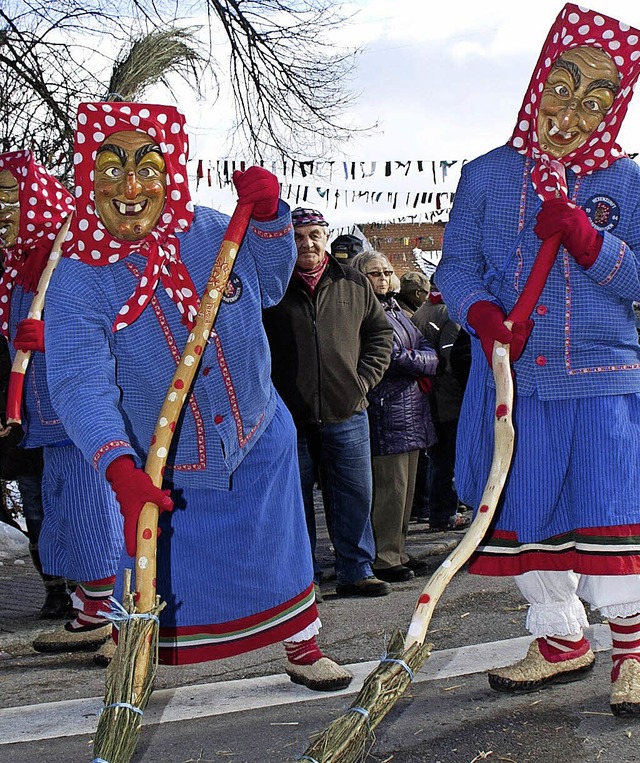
244	709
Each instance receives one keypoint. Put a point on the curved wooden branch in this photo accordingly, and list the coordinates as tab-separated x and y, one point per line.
22	357
502	454
176	396
502	450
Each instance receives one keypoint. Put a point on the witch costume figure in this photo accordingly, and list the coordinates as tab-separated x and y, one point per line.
81	534
569	524
234	563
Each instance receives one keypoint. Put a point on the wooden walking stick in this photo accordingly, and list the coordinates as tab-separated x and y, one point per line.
131	673
345	740
22	357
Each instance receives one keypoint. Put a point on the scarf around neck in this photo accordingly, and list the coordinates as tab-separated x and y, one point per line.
89	240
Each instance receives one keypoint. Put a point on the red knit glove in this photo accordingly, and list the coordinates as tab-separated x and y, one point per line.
30	335
487	320
260	188
133	488
579	237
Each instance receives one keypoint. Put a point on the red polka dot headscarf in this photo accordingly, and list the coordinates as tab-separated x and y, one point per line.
578	27
92	243
44	206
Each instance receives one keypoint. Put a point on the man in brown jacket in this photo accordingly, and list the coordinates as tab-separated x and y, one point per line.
330	344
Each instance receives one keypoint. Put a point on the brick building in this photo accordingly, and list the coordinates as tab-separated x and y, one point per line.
398	240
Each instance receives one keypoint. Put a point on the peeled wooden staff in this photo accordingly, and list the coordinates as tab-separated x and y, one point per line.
345	740
22	357
131	673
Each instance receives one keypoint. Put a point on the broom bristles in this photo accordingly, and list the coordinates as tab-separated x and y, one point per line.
121	718
346	739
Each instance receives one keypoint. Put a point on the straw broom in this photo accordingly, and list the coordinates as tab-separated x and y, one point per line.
346	739
130	676
22	357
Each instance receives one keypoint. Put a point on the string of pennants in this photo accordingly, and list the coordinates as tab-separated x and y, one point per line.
431	205
220	172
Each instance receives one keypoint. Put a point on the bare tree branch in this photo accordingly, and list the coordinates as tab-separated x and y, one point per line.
288	77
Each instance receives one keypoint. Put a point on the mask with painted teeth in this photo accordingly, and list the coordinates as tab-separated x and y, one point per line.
577	95
129	184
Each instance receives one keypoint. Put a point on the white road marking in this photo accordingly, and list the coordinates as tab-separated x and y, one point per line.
80	716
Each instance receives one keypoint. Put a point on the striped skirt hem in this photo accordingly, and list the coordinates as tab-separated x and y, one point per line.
587	551
199	643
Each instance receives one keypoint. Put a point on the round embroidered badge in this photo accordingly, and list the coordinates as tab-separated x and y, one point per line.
233	290
603	212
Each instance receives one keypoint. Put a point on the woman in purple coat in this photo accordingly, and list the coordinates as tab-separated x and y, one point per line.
400	425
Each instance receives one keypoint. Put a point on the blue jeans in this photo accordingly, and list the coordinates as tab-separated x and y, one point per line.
341	456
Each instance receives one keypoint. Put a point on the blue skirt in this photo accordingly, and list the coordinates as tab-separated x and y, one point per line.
576	462
81	537
234	566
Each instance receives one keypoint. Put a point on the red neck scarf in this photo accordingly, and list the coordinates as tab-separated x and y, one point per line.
578	27
92	243
311	278
44	206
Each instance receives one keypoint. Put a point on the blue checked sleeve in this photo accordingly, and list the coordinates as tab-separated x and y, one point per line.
81	366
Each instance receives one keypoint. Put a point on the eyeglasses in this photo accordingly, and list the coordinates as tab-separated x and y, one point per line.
380	273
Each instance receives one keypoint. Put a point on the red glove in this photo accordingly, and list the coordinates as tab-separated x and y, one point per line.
30	335
487	320
260	188
579	237
133	488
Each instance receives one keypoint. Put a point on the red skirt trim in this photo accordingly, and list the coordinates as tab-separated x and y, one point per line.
587	551
187	645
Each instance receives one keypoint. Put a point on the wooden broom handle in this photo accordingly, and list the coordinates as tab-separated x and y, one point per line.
22	357
176	396
502	450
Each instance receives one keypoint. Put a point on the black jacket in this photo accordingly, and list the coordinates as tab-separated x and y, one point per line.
329	351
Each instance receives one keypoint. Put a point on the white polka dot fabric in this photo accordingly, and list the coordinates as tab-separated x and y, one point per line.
92	243
44	205
577	27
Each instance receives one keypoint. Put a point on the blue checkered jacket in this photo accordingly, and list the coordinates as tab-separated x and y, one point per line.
584	341
108	387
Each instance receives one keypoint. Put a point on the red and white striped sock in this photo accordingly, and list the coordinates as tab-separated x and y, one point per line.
560	648
303	652
88	599
625	635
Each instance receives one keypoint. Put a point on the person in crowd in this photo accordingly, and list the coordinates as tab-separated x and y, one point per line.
433	321
569	523
330	344
414	289
80	537
345	247
234	563
400	425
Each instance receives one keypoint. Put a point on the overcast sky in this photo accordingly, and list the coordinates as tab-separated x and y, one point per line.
444	81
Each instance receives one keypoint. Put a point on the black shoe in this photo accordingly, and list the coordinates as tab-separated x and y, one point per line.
398	574
370	586
417	566
57	604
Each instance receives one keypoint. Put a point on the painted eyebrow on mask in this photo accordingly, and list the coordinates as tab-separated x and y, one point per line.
607	84
117	150
572	68
147	149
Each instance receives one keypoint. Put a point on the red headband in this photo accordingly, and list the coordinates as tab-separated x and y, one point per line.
44	206
92	243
